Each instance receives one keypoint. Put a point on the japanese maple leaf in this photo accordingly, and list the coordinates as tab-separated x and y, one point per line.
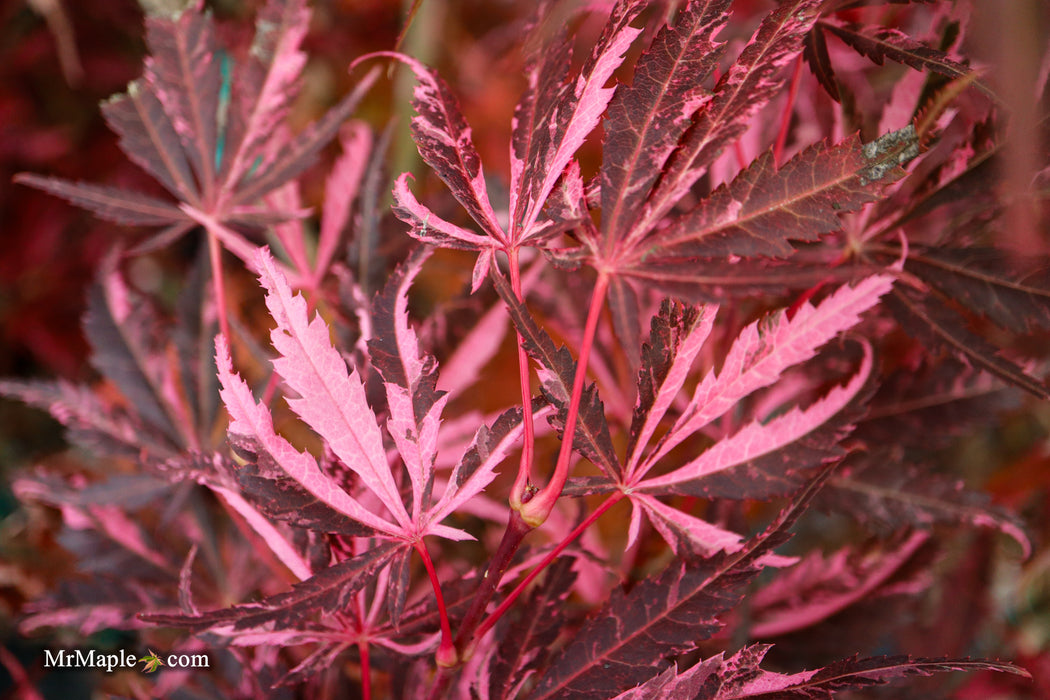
662	132
211	128
554	117
761	459
331	400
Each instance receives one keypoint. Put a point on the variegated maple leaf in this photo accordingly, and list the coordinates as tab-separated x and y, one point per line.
761	459
210	125
330	398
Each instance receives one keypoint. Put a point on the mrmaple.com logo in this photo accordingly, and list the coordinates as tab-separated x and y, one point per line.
111	661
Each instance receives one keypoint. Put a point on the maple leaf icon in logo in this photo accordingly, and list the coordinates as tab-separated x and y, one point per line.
152	662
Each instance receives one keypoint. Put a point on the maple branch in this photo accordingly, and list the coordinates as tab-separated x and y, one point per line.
470	631
516	530
512	538
536	510
523	481
598	512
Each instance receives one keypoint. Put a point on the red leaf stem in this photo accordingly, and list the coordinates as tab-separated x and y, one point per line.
785	120
535	511
366	670
446	653
215	255
524	478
